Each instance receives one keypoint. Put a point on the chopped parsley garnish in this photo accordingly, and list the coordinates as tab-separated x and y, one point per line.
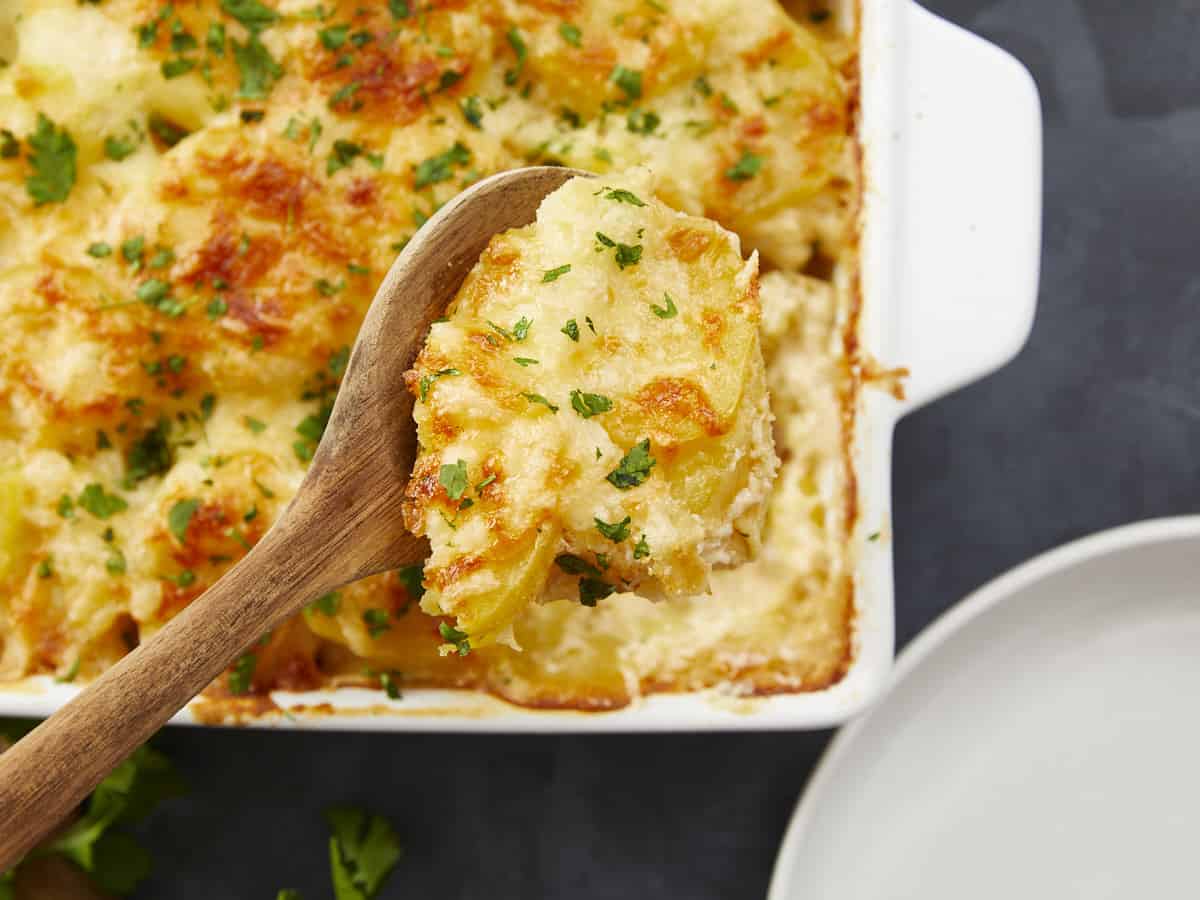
588	405
377	622
390	682
10	147
100	504
525	361
173	68
623	196
665	312
66	506
511	76
642	121
163	257
165	130
571	330
326	604
327	288
428	380
519	331
217	307
118	148
472	110
132	249
449	79
440	167
703	88
115	564
614	532
344	153
334	36
250	116
626	255
634	467
251	13
745	168
453	478
241	677
628	80
556	273
459	639
641	549
259	70
45	568
70	674
99	250
53	161
180	517
399	9
412	577
148	455
214	41
255	425
593	589
576	565
538	398
571	34
590	324
345	93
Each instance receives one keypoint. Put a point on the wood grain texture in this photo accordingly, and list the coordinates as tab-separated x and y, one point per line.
343	524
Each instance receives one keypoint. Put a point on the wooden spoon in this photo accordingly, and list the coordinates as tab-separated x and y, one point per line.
343	524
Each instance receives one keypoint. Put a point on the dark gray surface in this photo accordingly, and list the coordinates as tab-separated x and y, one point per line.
1096	424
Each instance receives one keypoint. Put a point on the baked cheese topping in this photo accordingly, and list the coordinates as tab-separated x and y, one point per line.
592	412
195	211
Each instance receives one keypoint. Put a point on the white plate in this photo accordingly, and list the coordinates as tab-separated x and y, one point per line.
1040	740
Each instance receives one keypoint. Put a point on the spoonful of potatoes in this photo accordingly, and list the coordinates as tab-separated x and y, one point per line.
591	418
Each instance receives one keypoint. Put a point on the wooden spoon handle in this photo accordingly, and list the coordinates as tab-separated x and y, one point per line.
53	768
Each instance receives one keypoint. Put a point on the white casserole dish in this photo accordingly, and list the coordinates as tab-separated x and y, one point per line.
951	137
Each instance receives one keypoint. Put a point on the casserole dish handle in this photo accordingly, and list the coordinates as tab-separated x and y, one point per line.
970	164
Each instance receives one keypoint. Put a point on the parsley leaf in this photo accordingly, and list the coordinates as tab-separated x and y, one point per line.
427	381
255	425
642	121
525	361
641	549
538	398
148	455
119	148
53	160
165	130
588	405
571	34
555	274
615	532
745	168
634	467
251	13
99	250
115	862
511	76
593	589
376	621
454	479
100	504
571	330
628	80
259	70
472	111
66	506
180	517
575	565
326	604
459	639
440	167
412	578
665	312
363	849
627	255
399	10
241	678
10	147
334	36
622	196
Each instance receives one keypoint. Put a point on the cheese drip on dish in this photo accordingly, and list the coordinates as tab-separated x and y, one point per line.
592	413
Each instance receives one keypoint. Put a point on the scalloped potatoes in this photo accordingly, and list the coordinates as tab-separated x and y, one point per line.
612	434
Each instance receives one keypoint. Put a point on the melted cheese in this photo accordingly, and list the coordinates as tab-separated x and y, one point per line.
268	187
632	334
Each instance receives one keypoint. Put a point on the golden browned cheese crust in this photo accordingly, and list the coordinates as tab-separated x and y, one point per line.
194	215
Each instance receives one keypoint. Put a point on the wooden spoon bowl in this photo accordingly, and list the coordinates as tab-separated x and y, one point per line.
343	524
